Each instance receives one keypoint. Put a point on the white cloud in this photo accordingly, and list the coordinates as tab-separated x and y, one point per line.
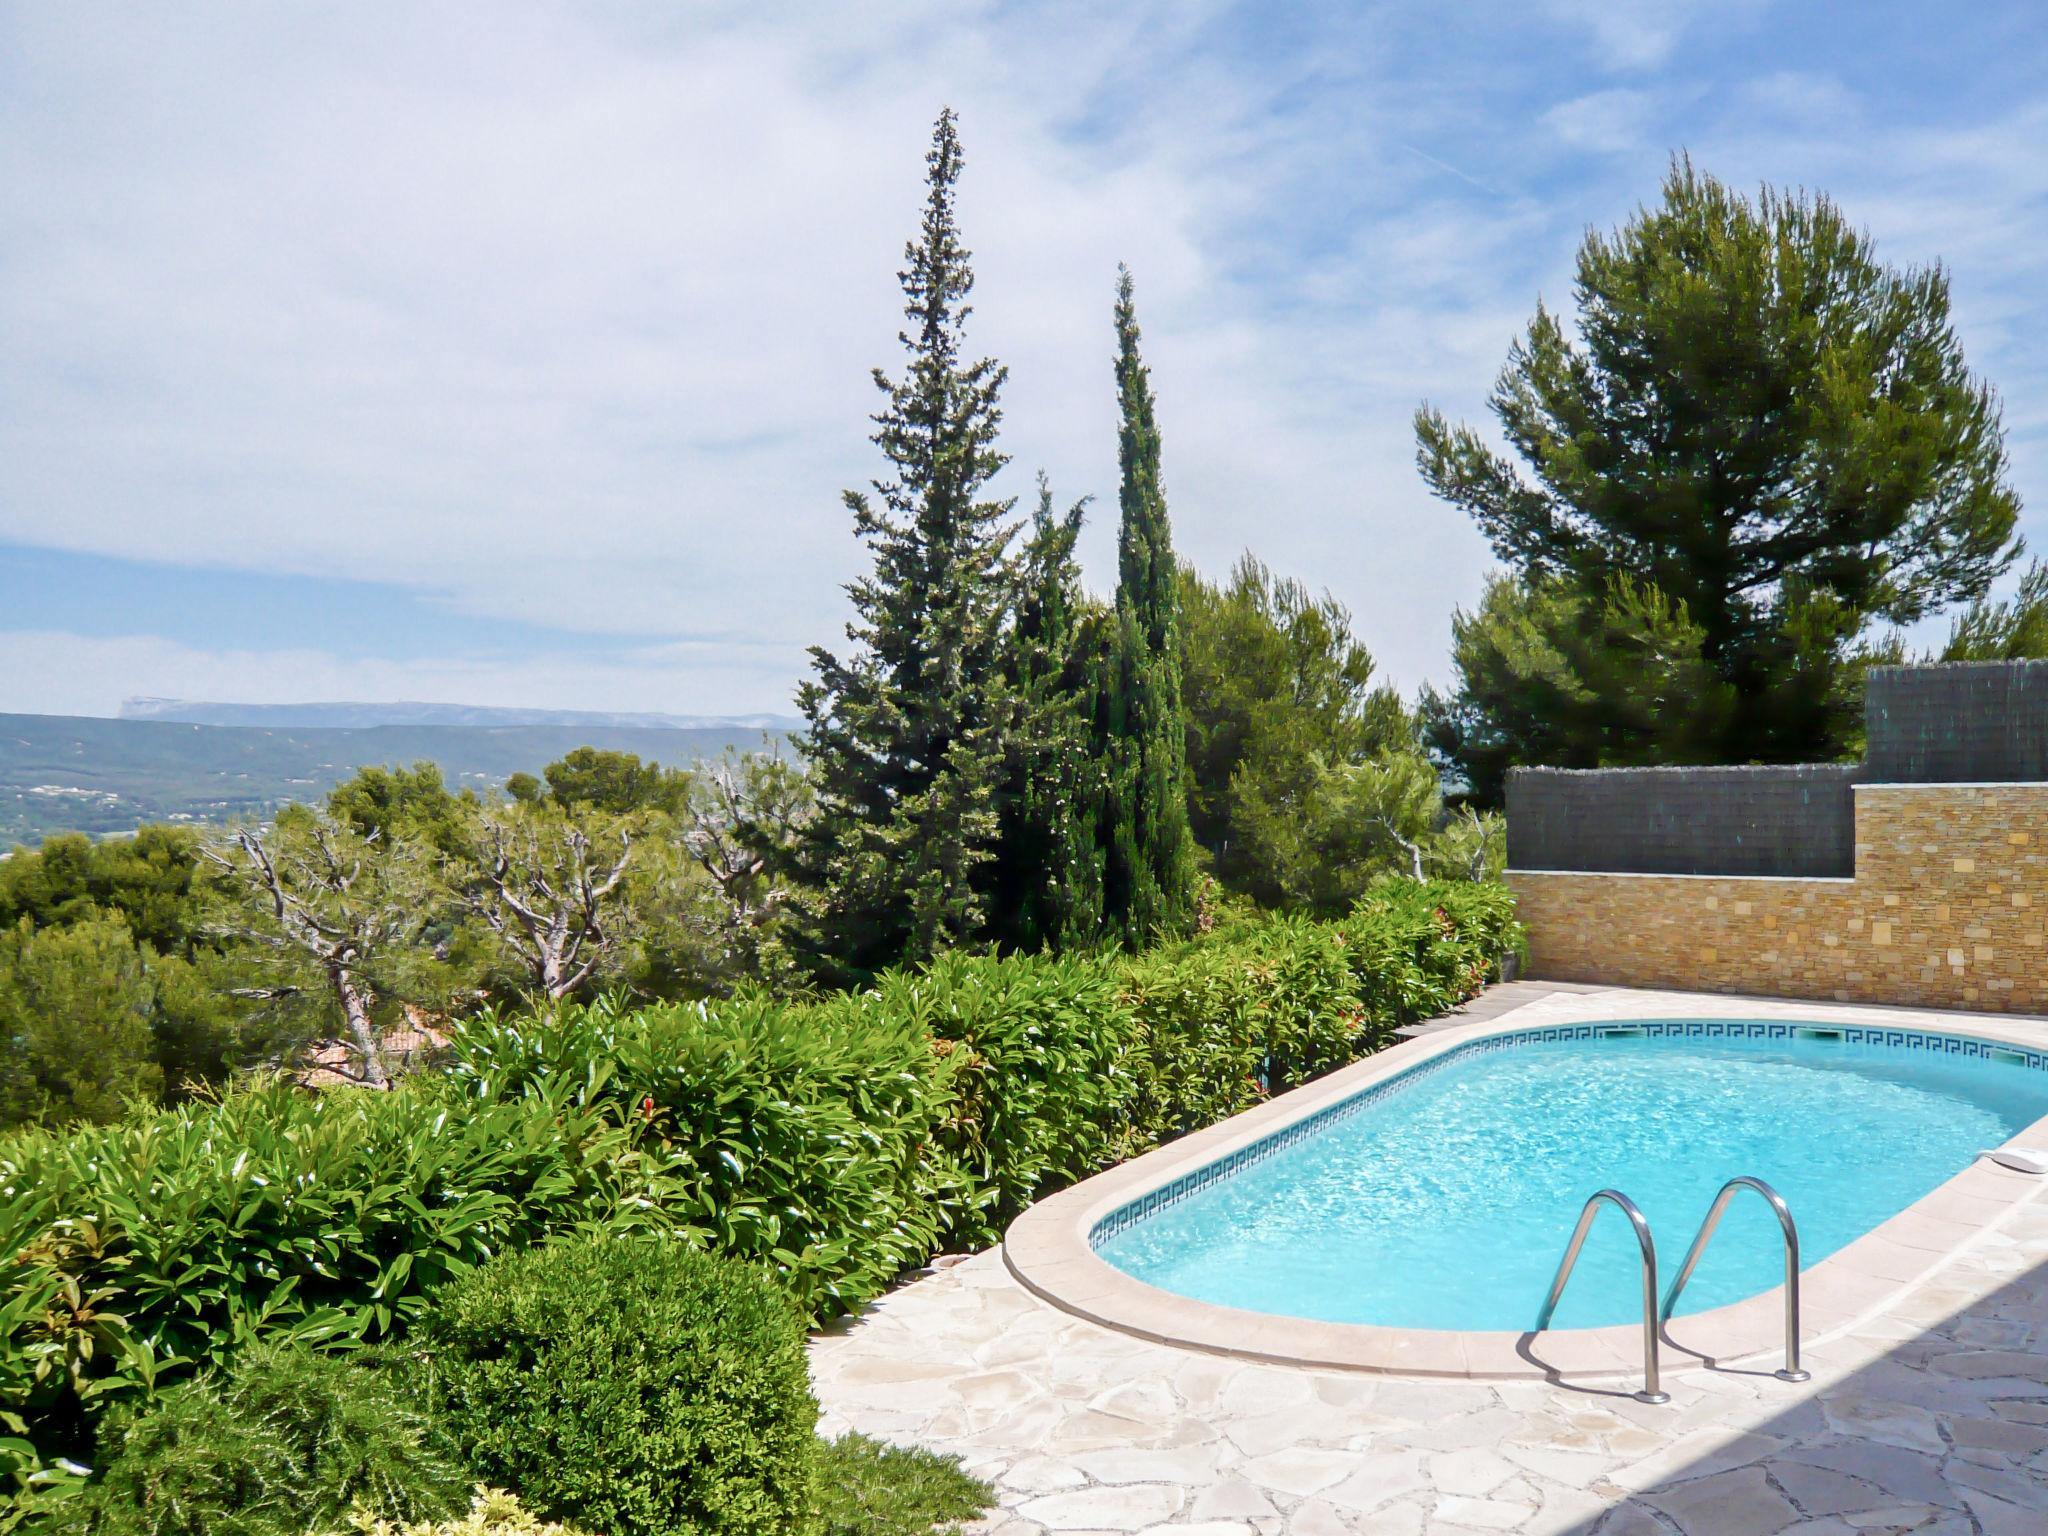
1606	121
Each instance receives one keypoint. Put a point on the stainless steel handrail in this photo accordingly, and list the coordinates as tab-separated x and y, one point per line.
1776	1201
1652	1389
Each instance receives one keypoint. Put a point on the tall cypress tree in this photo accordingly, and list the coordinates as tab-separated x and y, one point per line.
906	738
1149	854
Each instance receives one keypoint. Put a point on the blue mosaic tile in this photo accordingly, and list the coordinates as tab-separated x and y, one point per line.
1847	1035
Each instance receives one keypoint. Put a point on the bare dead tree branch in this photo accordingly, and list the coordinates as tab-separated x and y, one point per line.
308	897
537	882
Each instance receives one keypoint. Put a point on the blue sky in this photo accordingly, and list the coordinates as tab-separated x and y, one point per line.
518	354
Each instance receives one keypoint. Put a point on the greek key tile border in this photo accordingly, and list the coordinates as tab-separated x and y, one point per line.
1874	1036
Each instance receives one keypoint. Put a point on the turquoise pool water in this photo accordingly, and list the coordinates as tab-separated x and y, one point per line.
1447	1202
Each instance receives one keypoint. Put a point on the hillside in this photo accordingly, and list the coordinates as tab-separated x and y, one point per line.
355	716
66	773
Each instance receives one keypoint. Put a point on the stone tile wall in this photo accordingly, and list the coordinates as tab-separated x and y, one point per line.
1948	908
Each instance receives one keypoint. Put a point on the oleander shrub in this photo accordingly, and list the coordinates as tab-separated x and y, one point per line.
635	1387
283	1442
800	1135
1420	949
1041	1074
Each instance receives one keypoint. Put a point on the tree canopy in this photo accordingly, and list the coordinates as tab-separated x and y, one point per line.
1757	419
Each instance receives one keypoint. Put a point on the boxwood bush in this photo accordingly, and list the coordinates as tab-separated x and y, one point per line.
630	1386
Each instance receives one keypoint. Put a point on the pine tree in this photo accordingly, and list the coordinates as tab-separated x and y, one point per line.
1757	418
1150	856
1045	883
906	738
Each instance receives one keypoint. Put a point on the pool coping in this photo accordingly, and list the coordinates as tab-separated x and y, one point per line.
1047	1248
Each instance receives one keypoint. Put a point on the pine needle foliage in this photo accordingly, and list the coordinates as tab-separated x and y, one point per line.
1754	416
906	735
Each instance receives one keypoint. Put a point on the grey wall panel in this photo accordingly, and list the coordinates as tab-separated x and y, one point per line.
1960	723
1798	820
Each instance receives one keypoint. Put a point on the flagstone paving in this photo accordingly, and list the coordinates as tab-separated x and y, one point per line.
1932	1419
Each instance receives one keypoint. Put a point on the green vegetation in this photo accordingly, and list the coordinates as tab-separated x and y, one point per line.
150	969
282	1442
2016	630
1149	880
492	1512
1307	781
638	1389
630	1388
869	1489
838	1140
1091	874
1762	442
907	737
1043	885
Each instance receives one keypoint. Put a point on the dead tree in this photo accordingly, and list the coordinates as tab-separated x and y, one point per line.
316	895
533	877
744	812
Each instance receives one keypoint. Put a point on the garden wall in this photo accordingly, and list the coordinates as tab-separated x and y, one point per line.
1946	908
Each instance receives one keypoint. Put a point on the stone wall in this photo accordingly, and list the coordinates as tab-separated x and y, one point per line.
1946	909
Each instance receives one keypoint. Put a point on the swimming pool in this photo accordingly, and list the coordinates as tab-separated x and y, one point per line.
1441	1198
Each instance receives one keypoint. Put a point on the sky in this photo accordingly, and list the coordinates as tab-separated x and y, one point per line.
520	354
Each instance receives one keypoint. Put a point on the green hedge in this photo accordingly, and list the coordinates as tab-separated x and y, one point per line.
838	1140
793	1135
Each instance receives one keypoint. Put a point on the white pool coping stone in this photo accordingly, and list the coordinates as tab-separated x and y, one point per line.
1047	1248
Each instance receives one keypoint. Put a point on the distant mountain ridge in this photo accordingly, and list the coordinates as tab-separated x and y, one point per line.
70	773
359	716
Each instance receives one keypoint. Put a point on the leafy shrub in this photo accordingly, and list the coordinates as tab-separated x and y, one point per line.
285	1442
144	1251
493	1512
634	1387
794	1134
1040	1083
866	1488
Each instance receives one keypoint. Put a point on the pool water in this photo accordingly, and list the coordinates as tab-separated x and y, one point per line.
1448	1202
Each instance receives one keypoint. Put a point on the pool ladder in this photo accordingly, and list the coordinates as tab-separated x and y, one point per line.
1653	1313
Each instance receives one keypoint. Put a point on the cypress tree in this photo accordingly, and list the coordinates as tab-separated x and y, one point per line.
906	738
1046	879
1149	855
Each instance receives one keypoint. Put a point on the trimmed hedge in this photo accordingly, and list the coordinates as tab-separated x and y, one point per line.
792	1135
839	1141
634	1388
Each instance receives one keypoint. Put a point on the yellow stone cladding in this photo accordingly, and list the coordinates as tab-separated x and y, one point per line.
1948	909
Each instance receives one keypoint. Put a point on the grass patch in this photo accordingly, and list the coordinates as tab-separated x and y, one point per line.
866	1488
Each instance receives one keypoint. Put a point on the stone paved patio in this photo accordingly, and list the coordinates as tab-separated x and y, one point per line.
1932	1418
